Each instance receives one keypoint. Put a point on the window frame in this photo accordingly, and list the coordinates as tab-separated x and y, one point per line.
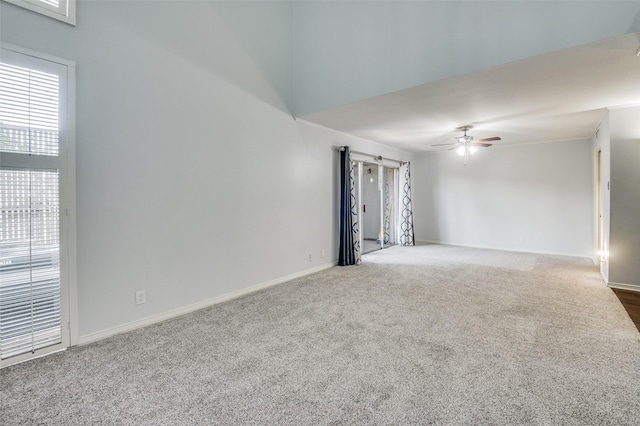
67	16
65	162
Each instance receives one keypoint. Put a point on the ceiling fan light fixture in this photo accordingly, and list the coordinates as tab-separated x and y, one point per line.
467	145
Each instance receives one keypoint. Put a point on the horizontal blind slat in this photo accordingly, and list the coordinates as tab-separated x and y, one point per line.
29	111
30	311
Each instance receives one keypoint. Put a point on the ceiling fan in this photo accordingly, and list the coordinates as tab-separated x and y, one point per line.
466	145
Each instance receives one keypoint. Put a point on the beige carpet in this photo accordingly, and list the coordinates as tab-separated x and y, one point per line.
416	335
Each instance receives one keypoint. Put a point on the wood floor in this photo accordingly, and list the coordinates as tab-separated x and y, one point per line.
631	302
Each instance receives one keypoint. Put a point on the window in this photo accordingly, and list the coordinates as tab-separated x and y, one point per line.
63	10
37	250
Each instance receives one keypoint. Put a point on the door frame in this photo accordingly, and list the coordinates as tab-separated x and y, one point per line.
601	245
360	160
66	164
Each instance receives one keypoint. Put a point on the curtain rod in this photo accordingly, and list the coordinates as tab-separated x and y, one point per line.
376	157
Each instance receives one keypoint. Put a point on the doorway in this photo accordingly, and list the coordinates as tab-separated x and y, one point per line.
371	216
599	199
377	193
37	191
601	248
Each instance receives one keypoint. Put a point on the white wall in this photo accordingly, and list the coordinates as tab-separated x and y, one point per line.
535	198
263	32
193	179
624	267
346	51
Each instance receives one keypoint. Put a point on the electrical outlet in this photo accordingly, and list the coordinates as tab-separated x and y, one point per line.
310	257
141	297
322	253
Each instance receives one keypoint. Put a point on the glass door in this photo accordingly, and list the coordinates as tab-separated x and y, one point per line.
377	194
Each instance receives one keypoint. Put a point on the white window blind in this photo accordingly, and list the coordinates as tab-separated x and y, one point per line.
30	255
29	102
30	261
63	10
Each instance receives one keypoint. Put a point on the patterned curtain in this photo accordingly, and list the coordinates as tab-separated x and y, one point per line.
406	210
390	207
349	226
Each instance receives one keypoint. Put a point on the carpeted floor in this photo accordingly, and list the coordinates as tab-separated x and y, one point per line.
415	335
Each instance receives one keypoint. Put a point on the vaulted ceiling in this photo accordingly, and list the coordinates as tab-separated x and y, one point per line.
556	96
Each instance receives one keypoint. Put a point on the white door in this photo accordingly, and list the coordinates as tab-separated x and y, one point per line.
36	195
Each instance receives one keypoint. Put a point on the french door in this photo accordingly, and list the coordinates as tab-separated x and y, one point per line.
36	205
377	196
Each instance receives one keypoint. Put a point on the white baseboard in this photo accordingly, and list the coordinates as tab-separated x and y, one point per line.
583	256
622	286
99	335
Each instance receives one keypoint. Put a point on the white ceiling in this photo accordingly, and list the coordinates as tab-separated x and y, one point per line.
553	97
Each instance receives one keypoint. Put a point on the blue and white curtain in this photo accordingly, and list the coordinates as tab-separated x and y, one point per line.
406	237
349	226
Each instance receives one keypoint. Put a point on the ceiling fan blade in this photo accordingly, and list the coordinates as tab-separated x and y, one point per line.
443	144
485	145
489	139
